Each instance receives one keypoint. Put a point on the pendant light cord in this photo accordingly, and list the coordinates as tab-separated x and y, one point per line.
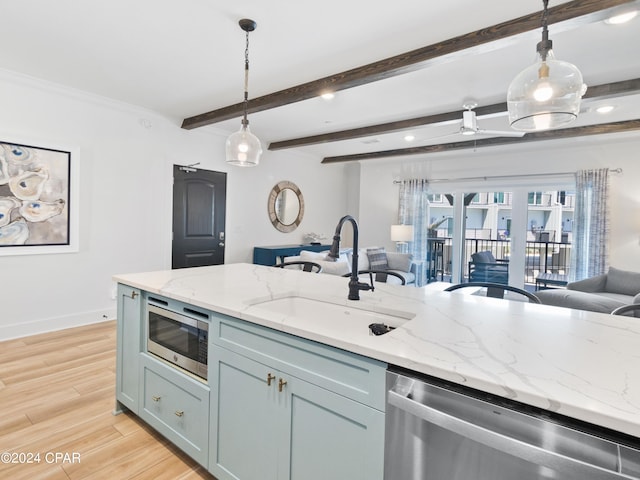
245	120
545	45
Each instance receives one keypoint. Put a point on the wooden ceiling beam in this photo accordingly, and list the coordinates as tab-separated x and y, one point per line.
570	15
588	130
608	90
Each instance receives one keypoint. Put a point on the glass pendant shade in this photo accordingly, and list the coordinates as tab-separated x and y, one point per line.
545	95
243	148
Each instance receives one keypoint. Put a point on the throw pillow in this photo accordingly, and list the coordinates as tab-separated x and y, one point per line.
340	267
309	256
377	258
622	281
399	261
335	268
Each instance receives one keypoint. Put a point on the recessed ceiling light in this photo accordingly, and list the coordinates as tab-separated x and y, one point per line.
409	138
327	96
605	109
622	18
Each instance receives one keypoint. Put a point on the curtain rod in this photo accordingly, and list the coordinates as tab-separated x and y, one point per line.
504	177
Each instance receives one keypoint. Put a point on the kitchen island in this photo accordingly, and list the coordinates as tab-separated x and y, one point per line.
579	364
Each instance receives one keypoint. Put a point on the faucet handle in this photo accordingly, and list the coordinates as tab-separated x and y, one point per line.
355	287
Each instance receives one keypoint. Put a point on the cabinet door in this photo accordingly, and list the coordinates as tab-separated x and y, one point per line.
243	434
331	436
177	406
129	325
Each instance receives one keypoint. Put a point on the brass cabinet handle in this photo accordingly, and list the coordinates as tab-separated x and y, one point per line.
179	413
134	294
155	398
281	384
269	378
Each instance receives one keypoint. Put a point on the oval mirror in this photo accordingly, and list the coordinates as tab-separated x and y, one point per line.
286	206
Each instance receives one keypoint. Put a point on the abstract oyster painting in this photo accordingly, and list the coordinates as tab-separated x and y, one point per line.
34	196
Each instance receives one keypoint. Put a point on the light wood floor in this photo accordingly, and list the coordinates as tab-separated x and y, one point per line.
57	396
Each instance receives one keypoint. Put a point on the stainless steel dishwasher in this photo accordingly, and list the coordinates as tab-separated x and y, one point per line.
438	431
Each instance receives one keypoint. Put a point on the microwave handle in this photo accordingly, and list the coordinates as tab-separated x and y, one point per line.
503	443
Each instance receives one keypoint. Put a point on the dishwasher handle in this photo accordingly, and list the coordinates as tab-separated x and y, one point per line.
503	443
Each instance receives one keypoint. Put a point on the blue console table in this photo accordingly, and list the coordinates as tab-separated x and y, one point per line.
270	255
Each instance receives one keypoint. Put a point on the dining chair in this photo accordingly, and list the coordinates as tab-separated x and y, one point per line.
633	309
305	266
381	275
495	290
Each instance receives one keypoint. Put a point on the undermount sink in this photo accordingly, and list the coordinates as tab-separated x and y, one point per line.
345	316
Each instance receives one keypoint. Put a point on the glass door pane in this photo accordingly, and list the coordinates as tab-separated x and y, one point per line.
487	232
550	222
439	238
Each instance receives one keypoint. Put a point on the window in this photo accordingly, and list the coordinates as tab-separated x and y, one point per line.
535	198
434	197
498	197
562	197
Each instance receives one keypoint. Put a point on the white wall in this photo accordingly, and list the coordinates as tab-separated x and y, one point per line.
126	157
379	195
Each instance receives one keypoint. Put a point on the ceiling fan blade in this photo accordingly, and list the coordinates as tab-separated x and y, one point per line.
501	133
452	134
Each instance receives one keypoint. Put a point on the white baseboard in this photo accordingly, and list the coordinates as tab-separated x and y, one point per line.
25	329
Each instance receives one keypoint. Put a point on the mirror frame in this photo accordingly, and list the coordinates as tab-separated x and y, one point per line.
271	206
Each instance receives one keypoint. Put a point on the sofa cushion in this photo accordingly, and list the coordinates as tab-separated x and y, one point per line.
339	267
626	299
399	261
579	300
334	268
622	281
409	277
591	284
377	258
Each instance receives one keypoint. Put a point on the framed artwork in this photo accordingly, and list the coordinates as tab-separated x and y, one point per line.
38	191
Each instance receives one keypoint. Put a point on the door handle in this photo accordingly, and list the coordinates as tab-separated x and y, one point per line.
221	244
270	378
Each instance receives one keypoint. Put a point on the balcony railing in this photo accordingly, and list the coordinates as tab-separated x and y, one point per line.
540	256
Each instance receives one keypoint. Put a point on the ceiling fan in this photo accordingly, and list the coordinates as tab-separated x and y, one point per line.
470	127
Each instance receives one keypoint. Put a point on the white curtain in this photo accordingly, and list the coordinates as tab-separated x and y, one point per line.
413	209
590	252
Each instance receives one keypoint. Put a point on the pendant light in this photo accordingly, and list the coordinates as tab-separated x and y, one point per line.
547	94
243	148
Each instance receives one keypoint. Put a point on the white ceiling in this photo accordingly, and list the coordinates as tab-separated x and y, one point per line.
181	58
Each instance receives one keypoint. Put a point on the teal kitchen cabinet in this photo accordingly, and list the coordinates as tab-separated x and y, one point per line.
128	331
177	405
287	408
244	424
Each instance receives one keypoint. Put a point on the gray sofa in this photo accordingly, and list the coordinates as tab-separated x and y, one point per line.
602	293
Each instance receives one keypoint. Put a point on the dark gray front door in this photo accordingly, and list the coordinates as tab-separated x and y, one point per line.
199	204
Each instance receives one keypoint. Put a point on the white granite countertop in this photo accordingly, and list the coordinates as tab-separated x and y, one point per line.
581	364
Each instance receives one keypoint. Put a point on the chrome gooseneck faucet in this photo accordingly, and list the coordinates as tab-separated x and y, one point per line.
354	283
